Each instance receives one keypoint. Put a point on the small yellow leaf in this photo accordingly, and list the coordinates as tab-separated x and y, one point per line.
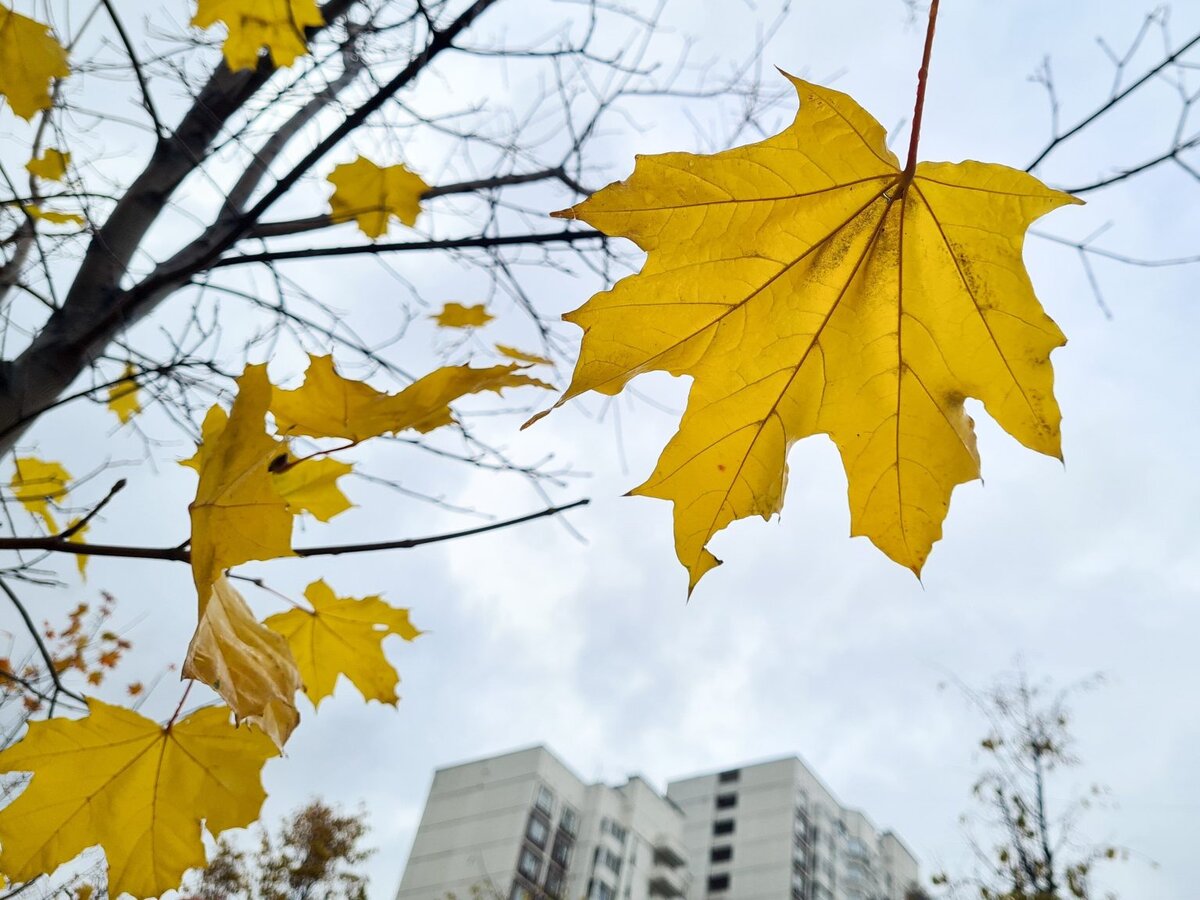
52	165
142	792
277	25
311	486
809	285
238	514
245	662
343	636
371	195
84	892
123	397
54	218
30	59
522	356
455	315
81	561
328	405
36	483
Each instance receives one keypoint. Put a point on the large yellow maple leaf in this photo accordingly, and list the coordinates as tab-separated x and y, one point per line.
238	514
372	195
328	405
141	791
277	25
809	285
343	636
245	662
30	59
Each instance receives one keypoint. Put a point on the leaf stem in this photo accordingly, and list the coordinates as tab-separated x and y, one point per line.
910	168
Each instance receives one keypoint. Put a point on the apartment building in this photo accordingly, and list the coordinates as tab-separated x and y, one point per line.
774	831
523	826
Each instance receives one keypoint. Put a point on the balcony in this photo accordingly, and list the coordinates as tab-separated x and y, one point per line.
667	881
669	852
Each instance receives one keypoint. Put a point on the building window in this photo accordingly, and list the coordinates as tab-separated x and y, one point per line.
718	883
530	864
721	854
538	830
545	799
612	861
723	826
603	892
519	893
730	776
726	801
570	821
554	882
608	826
561	853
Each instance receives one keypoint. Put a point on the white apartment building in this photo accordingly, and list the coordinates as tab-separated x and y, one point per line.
774	831
522	826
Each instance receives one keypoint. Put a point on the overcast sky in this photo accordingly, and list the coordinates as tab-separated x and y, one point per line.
805	641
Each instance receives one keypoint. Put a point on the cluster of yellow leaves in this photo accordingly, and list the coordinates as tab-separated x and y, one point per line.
143	790
38	484
372	195
253	25
808	285
30	59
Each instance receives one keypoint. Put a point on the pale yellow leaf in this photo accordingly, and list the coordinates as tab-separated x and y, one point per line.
522	356
51	165
311	486
455	315
37	483
245	662
123	399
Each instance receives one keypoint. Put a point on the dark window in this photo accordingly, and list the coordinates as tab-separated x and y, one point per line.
570	820
604	892
612	861
561	853
538	830
554	882
530	864
726	801
731	775
718	883
545	800
723	826
519	893
721	854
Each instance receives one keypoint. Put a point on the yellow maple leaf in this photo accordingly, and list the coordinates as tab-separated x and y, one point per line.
371	195
238	514
328	405
343	636
245	662
522	356
141	791
810	286
30	59
36	483
123	399
51	165
455	315
277	25
54	218
311	486
81	560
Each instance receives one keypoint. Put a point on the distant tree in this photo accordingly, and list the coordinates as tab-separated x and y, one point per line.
316	854
1028	845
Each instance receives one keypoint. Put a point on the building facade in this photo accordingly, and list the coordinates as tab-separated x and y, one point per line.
774	831
522	826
